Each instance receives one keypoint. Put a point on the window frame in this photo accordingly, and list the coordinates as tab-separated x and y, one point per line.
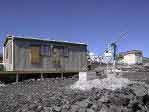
63	48
60	48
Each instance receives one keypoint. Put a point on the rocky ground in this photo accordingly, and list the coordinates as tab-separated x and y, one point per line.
55	95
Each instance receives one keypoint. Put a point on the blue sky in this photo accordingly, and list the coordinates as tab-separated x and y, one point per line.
91	21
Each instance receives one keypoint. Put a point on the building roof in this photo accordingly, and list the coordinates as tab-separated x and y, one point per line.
122	53
137	52
39	39
134	52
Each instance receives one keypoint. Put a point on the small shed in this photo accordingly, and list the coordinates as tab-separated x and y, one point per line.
40	55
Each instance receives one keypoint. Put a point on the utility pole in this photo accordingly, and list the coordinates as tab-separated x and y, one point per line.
114	47
108	55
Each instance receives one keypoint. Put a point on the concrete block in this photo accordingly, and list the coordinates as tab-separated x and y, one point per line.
84	76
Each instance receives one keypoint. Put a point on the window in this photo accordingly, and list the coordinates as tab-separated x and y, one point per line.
58	50
66	52
45	51
34	54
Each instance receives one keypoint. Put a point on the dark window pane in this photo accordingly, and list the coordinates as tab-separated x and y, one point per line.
45	50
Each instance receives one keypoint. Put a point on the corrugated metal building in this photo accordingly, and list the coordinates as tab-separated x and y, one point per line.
34	54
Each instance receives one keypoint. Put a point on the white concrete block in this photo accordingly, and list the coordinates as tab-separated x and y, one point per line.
85	76
82	76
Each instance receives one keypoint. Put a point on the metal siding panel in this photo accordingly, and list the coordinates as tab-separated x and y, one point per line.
84	61
66	63
70	61
81	60
34	55
45	62
22	58
73	62
51	64
76	61
62	63
16	56
8	62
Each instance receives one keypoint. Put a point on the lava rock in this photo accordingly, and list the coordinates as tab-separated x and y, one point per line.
114	108
104	109
75	108
82	109
39	108
104	99
140	90
32	107
90	110
54	95
56	109
145	99
84	103
47	109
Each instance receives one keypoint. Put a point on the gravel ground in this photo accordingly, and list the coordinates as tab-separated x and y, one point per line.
54	95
